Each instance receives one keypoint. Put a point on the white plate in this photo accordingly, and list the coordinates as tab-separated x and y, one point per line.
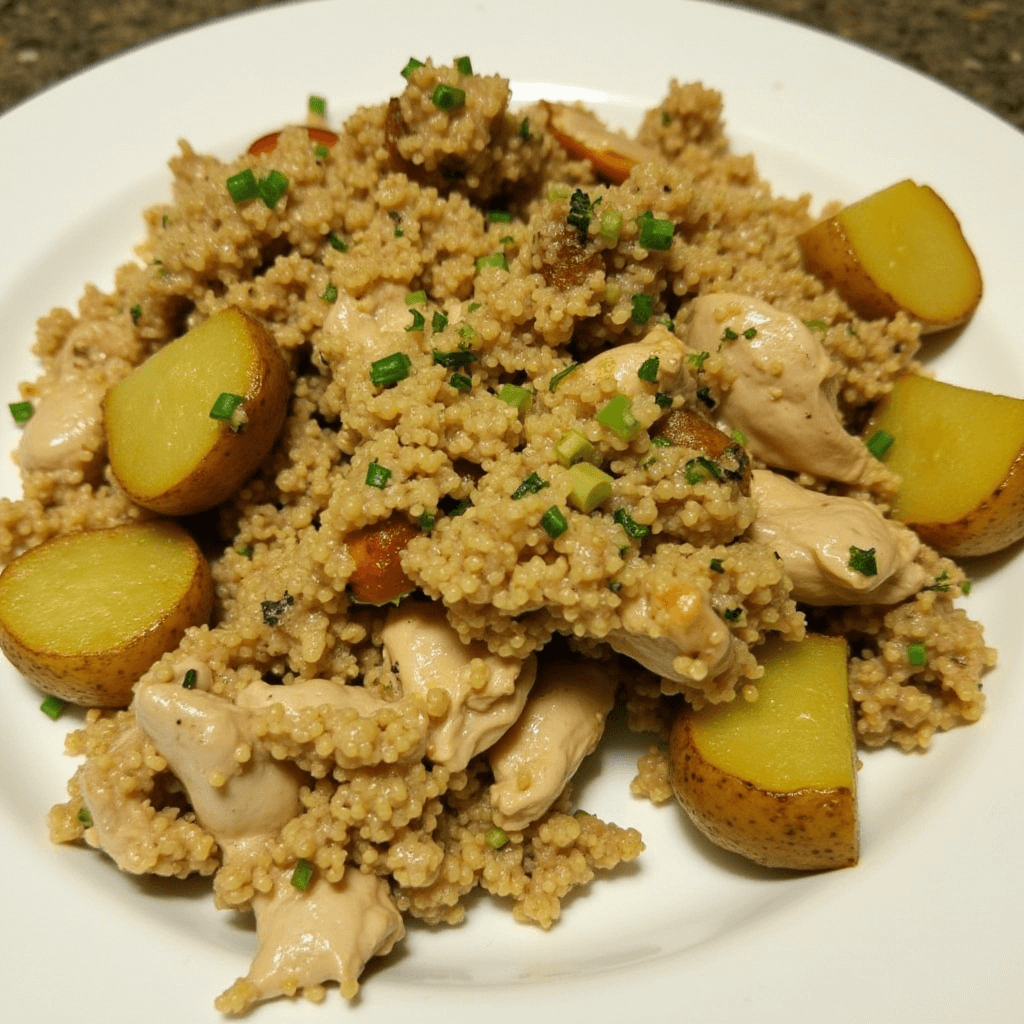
924	930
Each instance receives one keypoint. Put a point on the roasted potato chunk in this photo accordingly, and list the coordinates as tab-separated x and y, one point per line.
901	248
960	457
774	779
82	616
191	424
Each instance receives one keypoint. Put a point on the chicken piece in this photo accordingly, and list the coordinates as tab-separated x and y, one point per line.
562	723
622	363
66	429
781	396
473	695
362	330
328	932
813	534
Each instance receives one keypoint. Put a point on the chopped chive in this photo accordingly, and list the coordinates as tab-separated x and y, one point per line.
416	298
330	293
21	412
530	485
732	614
617	416
630	525
460	382
377	476
302	876
84	816
390	370
863	561
136	313
917	655
965	587
189	682
554	522
411	66
439	321
451	360
317	105
426	521
447	97
557	378
573	447
245	550
495	259
463	65
654	233
242	186
738	436
880	442
337	243
53	707
524	130
643	308
590	486
459	509
419	321
495	837
649	370
716	565
518	397
272	188
499	217
225	407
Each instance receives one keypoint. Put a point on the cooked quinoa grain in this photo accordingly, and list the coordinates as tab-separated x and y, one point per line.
555	527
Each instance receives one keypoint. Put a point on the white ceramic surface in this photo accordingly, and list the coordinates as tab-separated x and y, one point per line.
924	930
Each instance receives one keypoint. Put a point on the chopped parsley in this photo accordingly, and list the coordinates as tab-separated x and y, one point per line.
531	485
863	561
274	611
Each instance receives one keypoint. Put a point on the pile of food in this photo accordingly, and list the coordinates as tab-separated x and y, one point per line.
406	452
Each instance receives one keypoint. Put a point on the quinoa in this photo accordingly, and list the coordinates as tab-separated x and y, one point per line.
402	203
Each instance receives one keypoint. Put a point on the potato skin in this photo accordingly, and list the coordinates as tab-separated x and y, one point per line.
105	678
235	455
806	830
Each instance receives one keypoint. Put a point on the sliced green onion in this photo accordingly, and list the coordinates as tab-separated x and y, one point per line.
518	397
611	225
272	188
447	97
460	382
302	876
191	677
617	416
649	369
863	561
495	259
377	476
426	521
716	565
573	447
225	406
451	360
880	442
816	325
416	298
654	233
495	837
53	707
530	485
242	186
630	525
701	468
317	105
643	308
412	66
337	243
738	436
464	65
21	412
917	655
439	321
390	370
557	378
419	321
554	522
590	486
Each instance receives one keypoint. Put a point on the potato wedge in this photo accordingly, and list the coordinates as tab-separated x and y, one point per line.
377	549
960	457
165	448
901	248
774	779
82	616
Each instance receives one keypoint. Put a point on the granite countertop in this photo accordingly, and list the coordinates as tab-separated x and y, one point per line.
975	46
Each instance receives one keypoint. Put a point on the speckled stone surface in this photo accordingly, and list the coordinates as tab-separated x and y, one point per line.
975	46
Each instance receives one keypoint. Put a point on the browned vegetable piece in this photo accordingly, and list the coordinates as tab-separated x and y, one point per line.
268	143
82	616
689	429
377	550
583	136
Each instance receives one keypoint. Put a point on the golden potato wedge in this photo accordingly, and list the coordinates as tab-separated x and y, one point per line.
166	446
82	616
775	779
960	457
377	550
901	248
